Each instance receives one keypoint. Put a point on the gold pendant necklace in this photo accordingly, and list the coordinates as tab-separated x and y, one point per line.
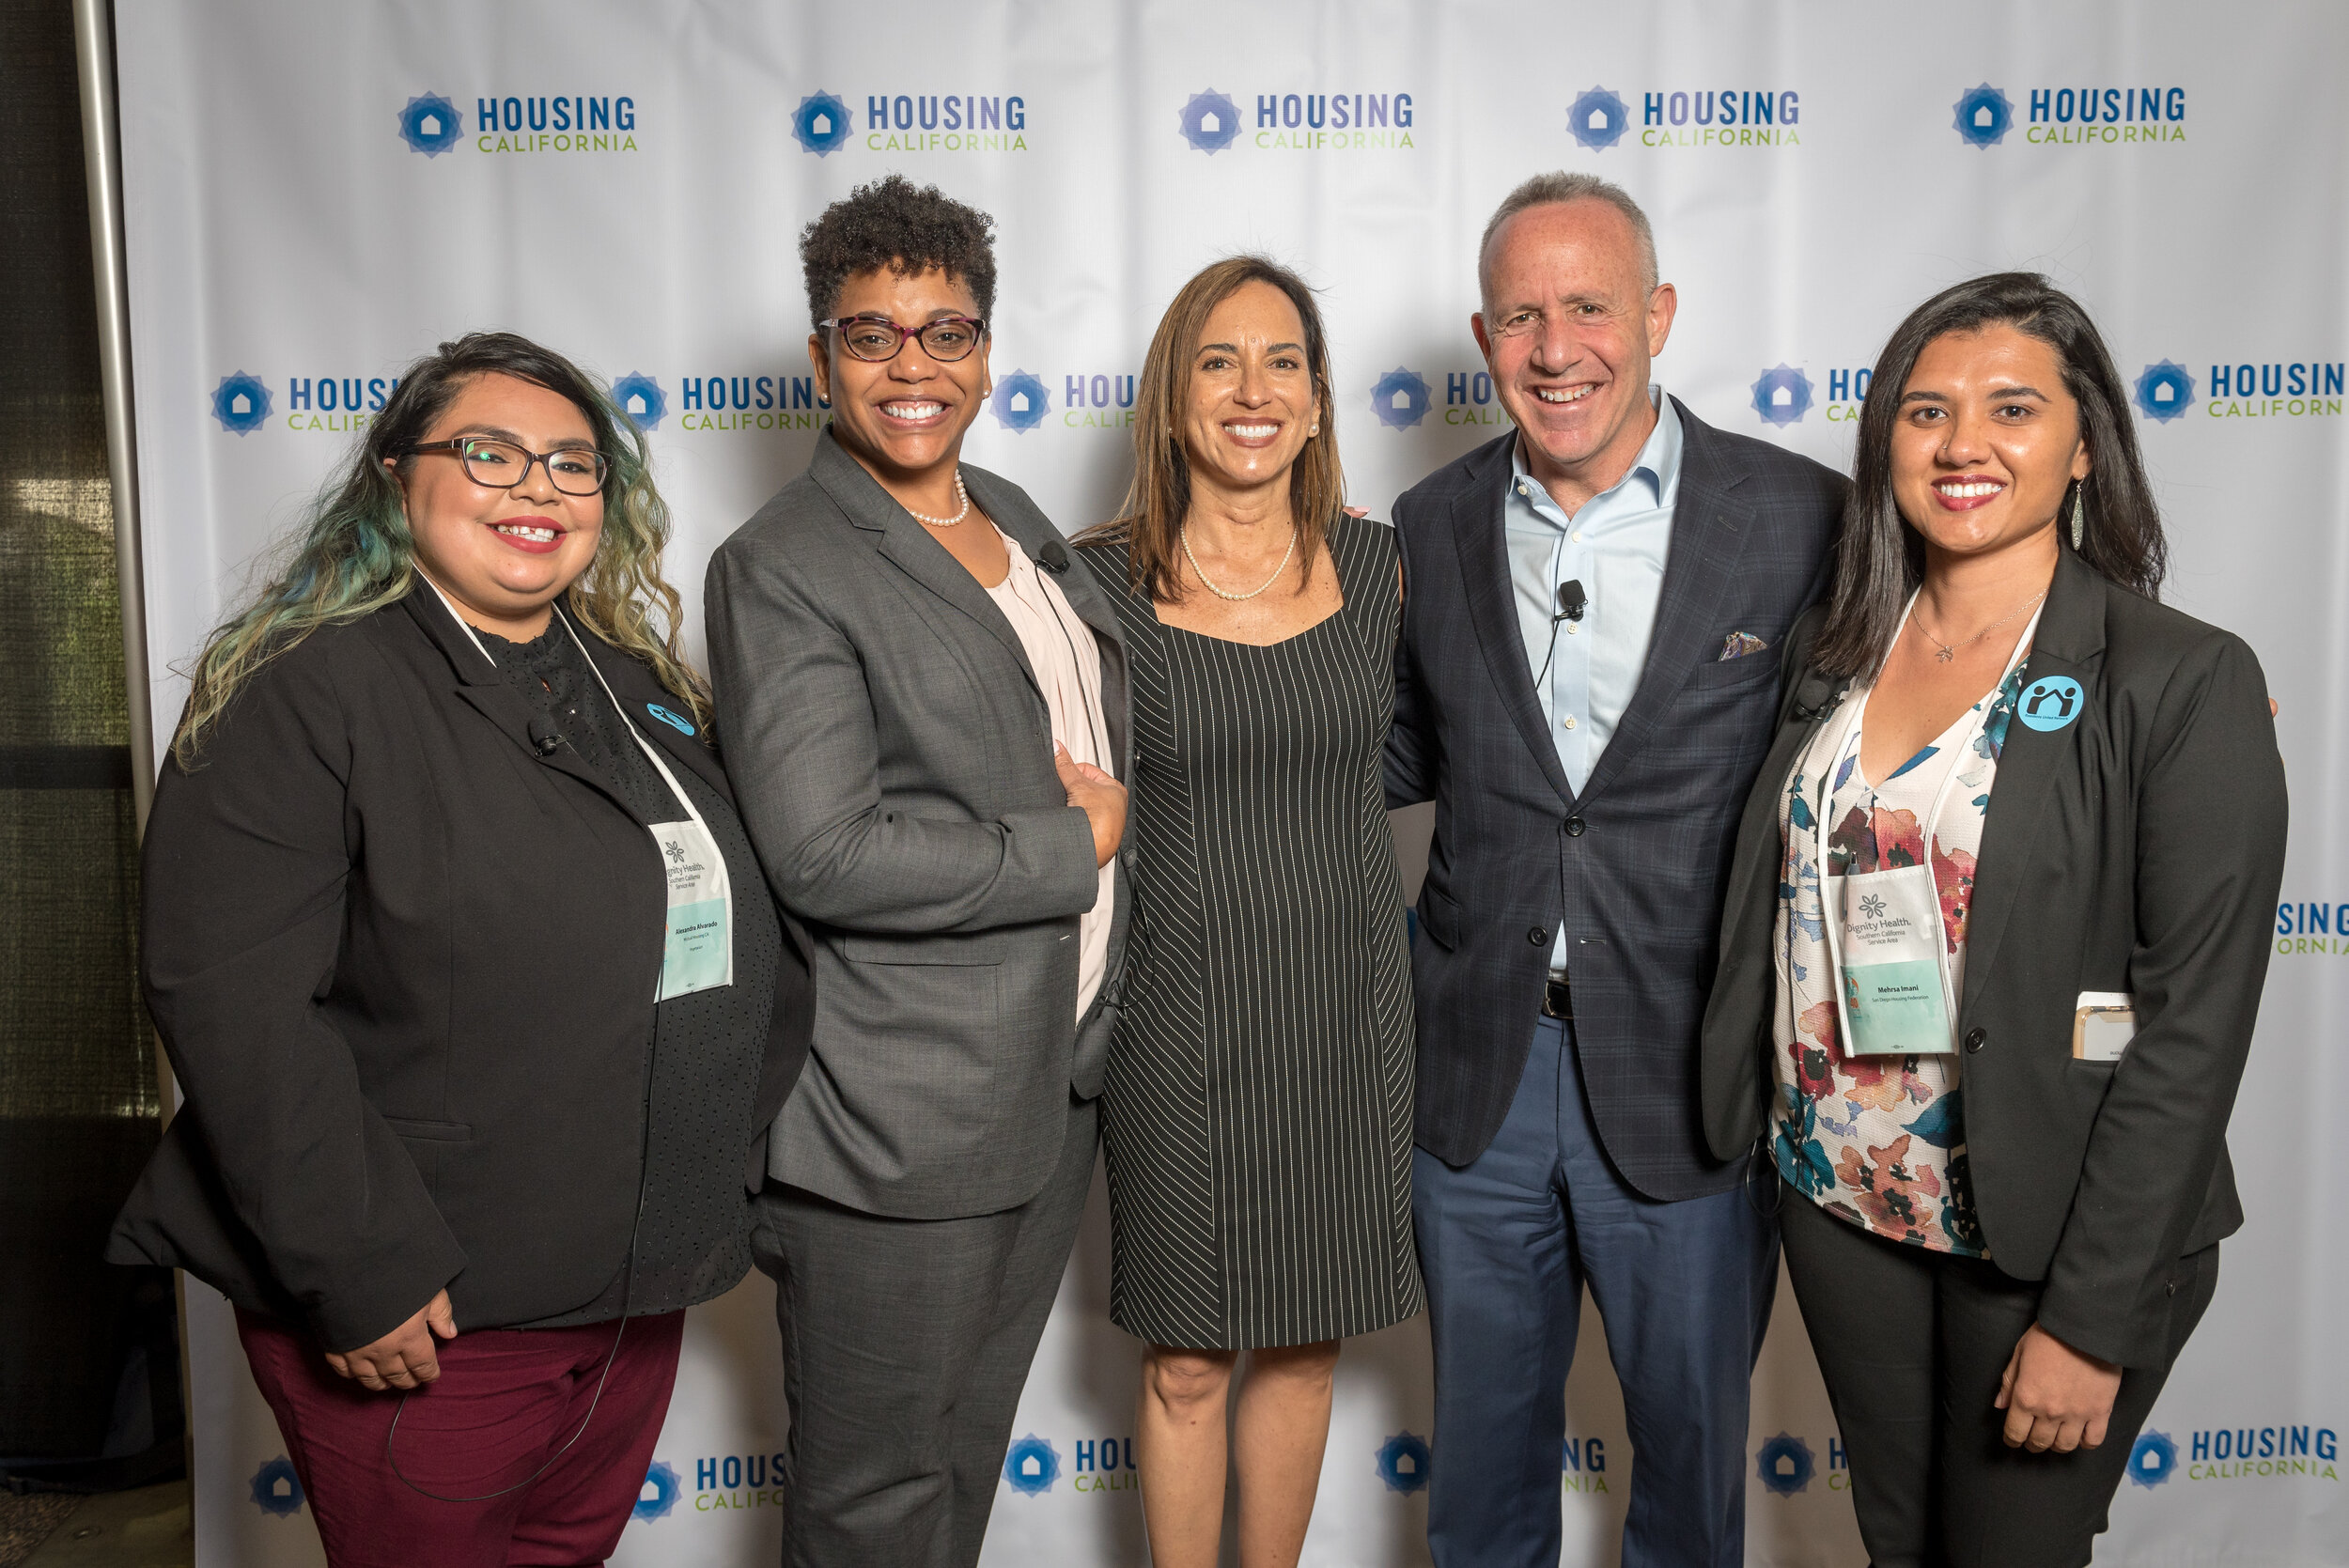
1947	651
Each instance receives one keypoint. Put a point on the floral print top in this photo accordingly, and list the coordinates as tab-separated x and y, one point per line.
1878	1141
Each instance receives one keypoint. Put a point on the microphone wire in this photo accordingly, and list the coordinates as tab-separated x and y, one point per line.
627	1299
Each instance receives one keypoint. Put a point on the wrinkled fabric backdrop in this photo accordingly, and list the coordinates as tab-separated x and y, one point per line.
315	194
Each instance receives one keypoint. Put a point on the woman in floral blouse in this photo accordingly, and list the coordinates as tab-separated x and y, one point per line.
1995	940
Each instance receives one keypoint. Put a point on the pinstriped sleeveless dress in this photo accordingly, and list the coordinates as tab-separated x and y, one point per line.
1256	1116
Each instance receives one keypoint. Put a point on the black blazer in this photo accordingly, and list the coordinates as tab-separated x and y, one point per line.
1634	865
404	966
2139	848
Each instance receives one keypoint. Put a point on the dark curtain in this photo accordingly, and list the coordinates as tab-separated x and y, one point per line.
89	1384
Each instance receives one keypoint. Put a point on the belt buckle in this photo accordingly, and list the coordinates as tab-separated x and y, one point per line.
1556	1000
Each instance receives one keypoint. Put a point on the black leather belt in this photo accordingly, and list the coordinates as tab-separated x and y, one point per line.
1556	1000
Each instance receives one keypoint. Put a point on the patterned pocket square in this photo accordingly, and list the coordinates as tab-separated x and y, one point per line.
1739	644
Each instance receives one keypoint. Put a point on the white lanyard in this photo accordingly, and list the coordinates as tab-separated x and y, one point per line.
1900	1000
698	955
450	605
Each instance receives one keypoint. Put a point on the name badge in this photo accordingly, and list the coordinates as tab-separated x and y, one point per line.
1894	1000
699	953
2102	1025
1884	929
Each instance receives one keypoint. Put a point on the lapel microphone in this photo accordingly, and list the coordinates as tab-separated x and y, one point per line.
1572	601
544	737
1053	557
1808	711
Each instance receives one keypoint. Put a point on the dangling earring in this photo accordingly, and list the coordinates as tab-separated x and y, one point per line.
2079	495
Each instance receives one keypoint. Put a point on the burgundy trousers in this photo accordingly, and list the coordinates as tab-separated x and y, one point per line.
507	1399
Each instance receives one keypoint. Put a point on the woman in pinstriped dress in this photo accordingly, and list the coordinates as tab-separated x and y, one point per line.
1258	1111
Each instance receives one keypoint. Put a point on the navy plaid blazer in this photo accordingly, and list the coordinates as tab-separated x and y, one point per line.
1635	866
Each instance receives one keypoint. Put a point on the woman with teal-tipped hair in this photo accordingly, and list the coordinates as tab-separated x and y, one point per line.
477	998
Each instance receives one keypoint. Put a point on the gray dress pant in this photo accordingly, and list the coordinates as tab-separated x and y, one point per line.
905	1344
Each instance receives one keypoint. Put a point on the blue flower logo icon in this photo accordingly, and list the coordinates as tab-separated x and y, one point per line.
1403	1462
657	1495
1984	115
1785	1463
1210	121
240	403
276	1490
1400	398
1020	401
2153	1460
1782	396
1598	119
1032	1466
2164	391
641	398
430	124
821	124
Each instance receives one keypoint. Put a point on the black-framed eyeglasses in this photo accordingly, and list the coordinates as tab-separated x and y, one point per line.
501	465
877	339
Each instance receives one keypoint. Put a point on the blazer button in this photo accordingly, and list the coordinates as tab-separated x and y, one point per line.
1575	826
1975	1039
1538	937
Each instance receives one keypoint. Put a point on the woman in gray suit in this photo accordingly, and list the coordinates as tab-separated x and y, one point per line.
924	708
1995	938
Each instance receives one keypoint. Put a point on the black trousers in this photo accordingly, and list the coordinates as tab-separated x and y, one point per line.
1912	1344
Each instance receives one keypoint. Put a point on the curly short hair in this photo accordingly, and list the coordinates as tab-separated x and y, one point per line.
905	227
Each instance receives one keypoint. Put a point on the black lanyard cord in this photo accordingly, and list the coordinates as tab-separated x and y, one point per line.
627	1298
1572	601
1053	608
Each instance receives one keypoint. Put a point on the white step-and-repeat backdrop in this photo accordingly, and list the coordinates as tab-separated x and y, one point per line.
318	192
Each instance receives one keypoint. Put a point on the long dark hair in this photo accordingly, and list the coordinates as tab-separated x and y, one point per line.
1151	520
353	553
1881	559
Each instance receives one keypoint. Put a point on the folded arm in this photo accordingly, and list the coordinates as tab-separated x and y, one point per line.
804	754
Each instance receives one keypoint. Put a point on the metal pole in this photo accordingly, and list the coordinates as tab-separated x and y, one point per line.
102	165
102	156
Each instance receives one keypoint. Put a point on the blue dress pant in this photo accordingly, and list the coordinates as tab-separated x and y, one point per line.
1506	1244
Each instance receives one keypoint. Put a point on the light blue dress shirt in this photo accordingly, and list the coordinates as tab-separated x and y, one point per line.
1615	545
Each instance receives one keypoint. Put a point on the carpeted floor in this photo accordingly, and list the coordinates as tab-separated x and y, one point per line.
26	1522
145	1527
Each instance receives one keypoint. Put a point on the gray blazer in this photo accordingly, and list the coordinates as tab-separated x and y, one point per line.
893	757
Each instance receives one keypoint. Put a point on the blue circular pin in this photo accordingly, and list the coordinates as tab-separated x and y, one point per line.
676	721
2050	702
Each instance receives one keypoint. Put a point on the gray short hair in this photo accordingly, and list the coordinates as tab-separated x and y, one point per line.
1546	190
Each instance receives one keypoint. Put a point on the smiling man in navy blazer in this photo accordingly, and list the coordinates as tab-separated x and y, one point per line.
1587	685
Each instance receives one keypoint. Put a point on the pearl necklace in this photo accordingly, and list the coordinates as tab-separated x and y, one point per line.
961	495
1184	534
